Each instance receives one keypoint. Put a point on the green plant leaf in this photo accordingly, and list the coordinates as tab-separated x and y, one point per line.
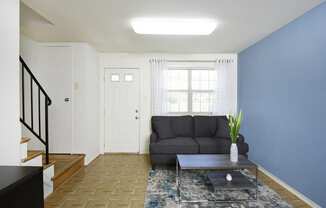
234	123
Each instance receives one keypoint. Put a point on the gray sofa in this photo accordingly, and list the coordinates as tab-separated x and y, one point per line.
172	135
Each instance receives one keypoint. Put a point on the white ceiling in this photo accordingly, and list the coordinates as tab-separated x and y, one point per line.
106	23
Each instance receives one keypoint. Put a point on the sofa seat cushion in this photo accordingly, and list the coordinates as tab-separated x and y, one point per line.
178	145
208	145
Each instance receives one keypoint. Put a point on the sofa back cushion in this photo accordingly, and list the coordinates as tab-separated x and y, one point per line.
205	126
222	130
161	125
182	126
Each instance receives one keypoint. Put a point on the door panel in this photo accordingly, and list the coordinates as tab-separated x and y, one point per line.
122	110
56	69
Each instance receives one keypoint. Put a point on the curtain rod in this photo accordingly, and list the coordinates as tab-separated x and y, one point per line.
121	68
220	60
207	61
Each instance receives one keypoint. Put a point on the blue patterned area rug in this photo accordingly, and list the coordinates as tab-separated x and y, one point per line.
161	192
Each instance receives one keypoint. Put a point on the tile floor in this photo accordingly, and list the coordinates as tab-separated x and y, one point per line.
111	181
120	181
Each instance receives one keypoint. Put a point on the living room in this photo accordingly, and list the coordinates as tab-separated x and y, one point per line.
163	103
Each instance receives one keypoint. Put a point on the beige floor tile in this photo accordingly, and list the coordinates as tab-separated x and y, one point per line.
108	182
105	183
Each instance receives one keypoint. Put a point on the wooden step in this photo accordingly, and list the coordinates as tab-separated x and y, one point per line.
45	166
24	140
66	166
32	154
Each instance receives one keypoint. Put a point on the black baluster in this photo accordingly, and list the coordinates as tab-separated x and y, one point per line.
39	113
46	131
32	113
23	92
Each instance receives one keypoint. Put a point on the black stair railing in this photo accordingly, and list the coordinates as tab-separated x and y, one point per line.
43	114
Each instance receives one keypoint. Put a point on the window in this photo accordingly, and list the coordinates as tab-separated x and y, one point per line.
129	77
115	77
190	90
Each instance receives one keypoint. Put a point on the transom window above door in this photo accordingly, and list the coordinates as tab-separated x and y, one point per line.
190	91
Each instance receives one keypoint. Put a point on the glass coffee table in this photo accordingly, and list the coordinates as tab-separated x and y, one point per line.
213	168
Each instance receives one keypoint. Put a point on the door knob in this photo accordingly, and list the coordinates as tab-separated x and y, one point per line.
67	100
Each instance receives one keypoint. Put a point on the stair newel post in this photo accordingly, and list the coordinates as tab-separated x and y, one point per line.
46	130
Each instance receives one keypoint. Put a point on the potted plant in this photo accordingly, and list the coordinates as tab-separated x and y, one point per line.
234	123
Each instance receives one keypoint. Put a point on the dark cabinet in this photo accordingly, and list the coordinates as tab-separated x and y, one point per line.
21	187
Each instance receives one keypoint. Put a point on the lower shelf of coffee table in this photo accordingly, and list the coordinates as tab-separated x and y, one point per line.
239	181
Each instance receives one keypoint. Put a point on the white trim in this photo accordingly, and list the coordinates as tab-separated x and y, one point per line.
289	188
73	97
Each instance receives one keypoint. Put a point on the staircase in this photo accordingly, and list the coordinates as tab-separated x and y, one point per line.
35	125
35	158
35	104
59	169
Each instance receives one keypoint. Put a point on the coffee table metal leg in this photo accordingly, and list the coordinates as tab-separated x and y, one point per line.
177	180
256	183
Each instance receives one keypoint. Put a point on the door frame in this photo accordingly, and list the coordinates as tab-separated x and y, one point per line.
106	71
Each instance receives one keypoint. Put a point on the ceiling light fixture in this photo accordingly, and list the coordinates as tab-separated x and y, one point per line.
173	26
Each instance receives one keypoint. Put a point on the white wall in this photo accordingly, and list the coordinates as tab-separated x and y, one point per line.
29	51
141	61
9	83
86	102
89	92
85	98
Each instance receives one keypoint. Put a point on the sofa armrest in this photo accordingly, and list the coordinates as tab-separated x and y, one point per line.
153	137
241	138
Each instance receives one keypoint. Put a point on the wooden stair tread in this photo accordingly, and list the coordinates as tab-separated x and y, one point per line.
45	166
24	140
32	154
65	165
62	171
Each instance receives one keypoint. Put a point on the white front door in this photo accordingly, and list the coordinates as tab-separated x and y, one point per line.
122	110
56	72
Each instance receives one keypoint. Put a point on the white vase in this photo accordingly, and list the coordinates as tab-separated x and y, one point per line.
228	177
234	152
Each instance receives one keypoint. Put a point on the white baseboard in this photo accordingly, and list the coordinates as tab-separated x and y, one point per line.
289	188
90	158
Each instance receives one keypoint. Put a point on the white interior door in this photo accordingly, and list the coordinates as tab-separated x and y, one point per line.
122	110
56	69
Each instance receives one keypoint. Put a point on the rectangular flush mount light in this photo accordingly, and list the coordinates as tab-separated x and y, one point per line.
173	26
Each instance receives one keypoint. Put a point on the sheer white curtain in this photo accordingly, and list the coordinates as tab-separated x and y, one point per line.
225	93
159	86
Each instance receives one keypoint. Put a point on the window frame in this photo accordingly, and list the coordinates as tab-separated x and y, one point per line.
190	91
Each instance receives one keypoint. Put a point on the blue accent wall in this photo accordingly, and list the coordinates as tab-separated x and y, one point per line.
282	92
